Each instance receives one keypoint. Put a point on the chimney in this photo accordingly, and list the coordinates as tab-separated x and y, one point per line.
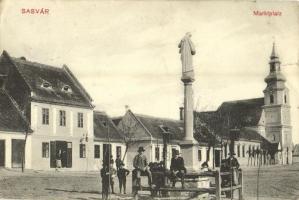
181	113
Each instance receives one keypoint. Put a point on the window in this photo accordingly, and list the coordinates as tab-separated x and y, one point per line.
96	151
208	154
285	98
82	151
271	98
66	88
238	150
243	151
199	155
62	117
157	153
273	137
45	113
45	150
118	151
80	120
225	150
46	85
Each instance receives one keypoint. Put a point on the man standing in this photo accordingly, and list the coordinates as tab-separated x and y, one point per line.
105	181
141	166
177	168
118	162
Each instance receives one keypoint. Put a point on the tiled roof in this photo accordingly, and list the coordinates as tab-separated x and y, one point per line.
35	74
155	126
234	114
100	120
10	117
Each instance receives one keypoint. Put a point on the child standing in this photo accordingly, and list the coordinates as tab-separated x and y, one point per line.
122	174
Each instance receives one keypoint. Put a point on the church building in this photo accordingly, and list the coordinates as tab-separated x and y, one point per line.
260	123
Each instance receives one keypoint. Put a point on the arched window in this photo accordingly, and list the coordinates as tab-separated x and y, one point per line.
271	98
273	137
285	98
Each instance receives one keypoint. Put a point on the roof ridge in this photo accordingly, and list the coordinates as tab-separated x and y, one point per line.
162	118
35	64
242	100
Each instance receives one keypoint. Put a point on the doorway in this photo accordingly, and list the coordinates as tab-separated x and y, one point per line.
106	153
2	153
17	152
61	150
217	158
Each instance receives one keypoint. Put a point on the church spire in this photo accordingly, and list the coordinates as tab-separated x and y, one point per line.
274	60
273	54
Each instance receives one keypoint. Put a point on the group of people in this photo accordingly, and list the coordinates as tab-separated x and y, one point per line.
258	157
141	168
108	174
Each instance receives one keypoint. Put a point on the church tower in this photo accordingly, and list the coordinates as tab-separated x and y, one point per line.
277	110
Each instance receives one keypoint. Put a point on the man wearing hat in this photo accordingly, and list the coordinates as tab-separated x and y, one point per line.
177	168
141	166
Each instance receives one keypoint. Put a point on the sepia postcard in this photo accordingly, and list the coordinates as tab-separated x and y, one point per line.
161	99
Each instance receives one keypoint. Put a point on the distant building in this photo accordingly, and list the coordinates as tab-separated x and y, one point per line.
261	123
148	131
107	139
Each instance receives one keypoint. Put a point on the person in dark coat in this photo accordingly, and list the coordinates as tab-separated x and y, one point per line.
122	174
118	162
177	169
105	181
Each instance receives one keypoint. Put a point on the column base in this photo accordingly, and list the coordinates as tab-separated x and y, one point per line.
189	149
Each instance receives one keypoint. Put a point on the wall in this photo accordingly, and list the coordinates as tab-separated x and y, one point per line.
243	160
97	164
8	136
69	133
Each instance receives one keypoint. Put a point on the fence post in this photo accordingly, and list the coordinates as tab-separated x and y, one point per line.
218	185
242	185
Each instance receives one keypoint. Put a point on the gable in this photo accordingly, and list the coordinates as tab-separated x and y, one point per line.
131	127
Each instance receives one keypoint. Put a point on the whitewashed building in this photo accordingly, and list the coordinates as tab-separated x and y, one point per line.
148	131
54	109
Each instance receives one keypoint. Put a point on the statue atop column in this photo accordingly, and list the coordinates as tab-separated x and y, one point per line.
187	50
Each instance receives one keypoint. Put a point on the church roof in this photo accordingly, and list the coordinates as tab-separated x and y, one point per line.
62	85
11	119
234	114
102	122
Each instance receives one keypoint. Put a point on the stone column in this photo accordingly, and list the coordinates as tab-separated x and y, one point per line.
189	145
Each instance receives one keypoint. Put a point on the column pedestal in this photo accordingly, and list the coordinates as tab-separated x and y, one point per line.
189	149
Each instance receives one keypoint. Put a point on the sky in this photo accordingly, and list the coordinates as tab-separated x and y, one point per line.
126	52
